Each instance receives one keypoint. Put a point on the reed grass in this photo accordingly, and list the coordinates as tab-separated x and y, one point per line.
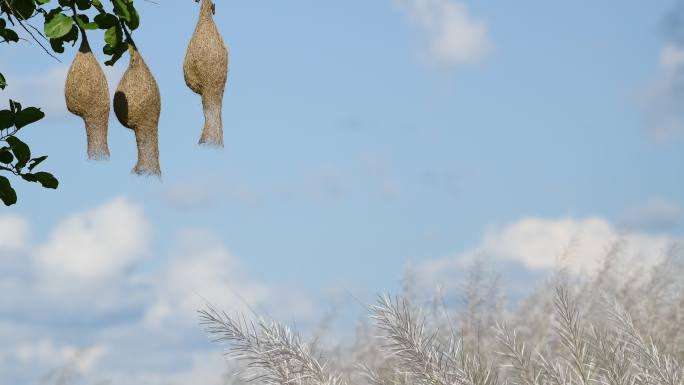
610	328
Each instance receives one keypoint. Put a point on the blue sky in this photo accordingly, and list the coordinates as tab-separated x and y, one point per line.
359	137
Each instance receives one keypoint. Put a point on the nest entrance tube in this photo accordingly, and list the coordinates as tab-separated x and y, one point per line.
137	105
87	95
206	71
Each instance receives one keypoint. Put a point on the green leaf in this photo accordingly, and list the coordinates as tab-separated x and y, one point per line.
22	9
116	53
28	116
114	47
29	177
6	155
54	11
3	82
47	180
44	178
121	9
113	36
35	162
127	12
72	35
6	119
134	19
58	26
57	45
106	20
98	5
9	35
21	151
83	4
84	22
7	193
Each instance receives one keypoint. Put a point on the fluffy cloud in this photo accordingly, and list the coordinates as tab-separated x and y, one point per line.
201	270
540	244
110	309
46	352
451	36
14	232
96	244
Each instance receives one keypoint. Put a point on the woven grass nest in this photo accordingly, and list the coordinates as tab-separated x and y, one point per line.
206	71
87	95
137	105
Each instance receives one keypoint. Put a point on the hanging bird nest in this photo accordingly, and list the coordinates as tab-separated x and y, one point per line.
87	95
137	105
206	71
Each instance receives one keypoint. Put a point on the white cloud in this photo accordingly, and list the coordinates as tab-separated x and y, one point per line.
15	232
201	270
83	269
451	35
43	351
539	244
206	369
46	352
96	244
96	283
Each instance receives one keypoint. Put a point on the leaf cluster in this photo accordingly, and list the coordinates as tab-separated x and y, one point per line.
62	26
15	155
64	18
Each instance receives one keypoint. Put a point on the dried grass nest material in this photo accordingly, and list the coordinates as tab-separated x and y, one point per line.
87	95
137	105
206	71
